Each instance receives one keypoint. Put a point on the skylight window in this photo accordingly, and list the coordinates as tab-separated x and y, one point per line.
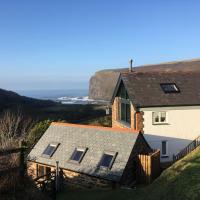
169	88
78	154
50	149
107	160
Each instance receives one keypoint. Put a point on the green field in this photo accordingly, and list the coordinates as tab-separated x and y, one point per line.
179	182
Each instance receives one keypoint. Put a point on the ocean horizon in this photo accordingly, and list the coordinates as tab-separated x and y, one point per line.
70	96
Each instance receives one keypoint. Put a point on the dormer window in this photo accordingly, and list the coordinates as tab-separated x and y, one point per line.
169	88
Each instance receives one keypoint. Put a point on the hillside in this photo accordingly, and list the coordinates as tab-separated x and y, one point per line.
9	99
103	83
45	109
179	182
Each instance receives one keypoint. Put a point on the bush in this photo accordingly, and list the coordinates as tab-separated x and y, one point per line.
101	121
36	132
14	127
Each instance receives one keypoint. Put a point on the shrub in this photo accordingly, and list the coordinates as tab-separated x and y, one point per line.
36	132
13	128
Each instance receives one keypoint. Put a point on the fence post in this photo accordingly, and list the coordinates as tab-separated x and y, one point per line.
174	159
22	161
57	176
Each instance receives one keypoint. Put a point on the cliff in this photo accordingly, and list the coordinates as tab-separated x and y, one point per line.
103	83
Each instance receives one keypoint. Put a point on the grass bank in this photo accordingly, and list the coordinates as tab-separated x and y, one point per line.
179	182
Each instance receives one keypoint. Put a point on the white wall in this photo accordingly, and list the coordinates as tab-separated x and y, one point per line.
182	127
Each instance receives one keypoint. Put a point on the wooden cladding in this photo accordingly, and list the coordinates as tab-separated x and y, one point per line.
149	167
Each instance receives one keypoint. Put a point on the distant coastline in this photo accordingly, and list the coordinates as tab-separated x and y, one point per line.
72	96
53	94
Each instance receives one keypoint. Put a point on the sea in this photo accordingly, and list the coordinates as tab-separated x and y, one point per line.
75	96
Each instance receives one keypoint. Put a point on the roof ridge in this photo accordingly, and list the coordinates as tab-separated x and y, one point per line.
126	69
160	72
127	130
171	62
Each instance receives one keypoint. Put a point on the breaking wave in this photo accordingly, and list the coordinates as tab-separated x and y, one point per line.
78	100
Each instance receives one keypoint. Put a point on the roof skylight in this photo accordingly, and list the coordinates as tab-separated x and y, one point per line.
107	160
50	149
169	88
78	154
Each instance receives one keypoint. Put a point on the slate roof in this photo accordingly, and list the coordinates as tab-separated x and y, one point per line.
97	139
145	91
103	83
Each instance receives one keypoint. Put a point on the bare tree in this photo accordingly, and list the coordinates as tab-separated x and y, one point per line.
13	128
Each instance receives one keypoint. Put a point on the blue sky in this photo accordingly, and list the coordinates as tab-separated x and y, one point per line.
55	44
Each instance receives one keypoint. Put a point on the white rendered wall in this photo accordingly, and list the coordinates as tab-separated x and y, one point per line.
183	126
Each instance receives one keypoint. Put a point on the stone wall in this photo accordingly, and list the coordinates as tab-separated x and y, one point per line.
136	117
32	169
85	181
73	179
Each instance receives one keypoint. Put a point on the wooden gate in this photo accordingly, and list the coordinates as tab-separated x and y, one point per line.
149	167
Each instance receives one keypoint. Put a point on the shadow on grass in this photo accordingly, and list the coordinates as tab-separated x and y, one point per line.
179	182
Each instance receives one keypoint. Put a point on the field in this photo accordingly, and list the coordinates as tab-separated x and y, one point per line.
68	113
179	182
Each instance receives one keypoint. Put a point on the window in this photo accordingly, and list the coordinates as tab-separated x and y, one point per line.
49	151
164	149
169	88
40	171
124	105
43	170
48	171
107	160
159	117
78	154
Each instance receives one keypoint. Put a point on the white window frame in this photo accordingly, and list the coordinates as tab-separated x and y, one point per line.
113	154
52	144
83	150
159	115
167	152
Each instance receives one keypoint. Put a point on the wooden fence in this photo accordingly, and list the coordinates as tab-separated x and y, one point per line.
189	148
46	181
149	167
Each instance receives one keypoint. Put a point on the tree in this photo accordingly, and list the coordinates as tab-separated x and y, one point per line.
13	128
36	132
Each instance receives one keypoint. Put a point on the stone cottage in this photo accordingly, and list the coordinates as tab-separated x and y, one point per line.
89	156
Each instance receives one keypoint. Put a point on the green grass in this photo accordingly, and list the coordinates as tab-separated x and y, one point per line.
68	113
179	182
100	121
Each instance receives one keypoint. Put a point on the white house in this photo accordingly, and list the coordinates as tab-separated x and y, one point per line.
163	102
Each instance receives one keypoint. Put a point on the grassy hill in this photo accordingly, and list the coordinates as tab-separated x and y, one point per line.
9	99
46	109
179	182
